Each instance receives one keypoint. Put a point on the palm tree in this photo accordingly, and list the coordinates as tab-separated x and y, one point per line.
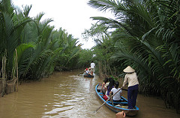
104	46
147	33
37	49
10	32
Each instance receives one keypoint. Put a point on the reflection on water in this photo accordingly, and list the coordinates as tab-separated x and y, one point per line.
67	95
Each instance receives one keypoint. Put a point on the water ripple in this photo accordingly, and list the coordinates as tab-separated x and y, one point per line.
57	110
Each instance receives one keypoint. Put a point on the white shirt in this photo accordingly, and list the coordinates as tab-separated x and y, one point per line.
117	96
92	65
131	79
87	71
107	83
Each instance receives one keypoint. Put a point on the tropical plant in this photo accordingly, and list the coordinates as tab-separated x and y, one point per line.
104	47
39	47
147	38
10	33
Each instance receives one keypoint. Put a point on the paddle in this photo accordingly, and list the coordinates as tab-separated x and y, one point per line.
124	89
106	101
81	73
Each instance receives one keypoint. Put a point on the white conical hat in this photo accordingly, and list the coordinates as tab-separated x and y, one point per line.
128	69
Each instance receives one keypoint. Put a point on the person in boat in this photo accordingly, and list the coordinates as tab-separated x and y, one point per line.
88	72
105	97
85	70
121	114
92	66
132	80
105	84
110	86
117	96
91	71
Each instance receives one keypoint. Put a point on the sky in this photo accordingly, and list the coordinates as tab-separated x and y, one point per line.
71	15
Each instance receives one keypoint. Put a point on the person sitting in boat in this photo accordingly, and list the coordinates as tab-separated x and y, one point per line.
105	84
110	86
104	95
87	70
117	92
90	71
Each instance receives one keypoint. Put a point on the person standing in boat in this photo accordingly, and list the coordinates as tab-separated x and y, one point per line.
92	66
132	80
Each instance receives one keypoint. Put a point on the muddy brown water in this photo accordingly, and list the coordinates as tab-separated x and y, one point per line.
69	95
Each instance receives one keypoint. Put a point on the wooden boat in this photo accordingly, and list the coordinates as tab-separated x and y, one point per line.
118	106
89	76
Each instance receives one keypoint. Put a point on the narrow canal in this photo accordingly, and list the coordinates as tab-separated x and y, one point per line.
69	95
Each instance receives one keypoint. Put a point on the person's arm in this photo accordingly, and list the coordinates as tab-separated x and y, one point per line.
125	81
103	84
110	92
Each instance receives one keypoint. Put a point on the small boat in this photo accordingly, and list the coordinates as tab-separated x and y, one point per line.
88	75
118	106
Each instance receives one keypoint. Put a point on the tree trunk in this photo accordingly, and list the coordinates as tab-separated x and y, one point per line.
3	75
100	69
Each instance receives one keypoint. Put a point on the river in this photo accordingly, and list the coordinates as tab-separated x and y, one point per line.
69	95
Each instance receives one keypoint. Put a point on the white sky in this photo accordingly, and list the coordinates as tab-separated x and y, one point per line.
71	15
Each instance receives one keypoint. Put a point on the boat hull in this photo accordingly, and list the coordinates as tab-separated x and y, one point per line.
89	76
118	106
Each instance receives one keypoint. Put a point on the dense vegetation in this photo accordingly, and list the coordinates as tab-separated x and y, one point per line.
40	48
146	36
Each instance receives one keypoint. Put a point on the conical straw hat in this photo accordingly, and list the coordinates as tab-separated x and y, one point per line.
128	69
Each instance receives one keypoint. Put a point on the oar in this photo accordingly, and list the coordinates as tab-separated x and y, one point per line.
106	101
81	73
124	89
